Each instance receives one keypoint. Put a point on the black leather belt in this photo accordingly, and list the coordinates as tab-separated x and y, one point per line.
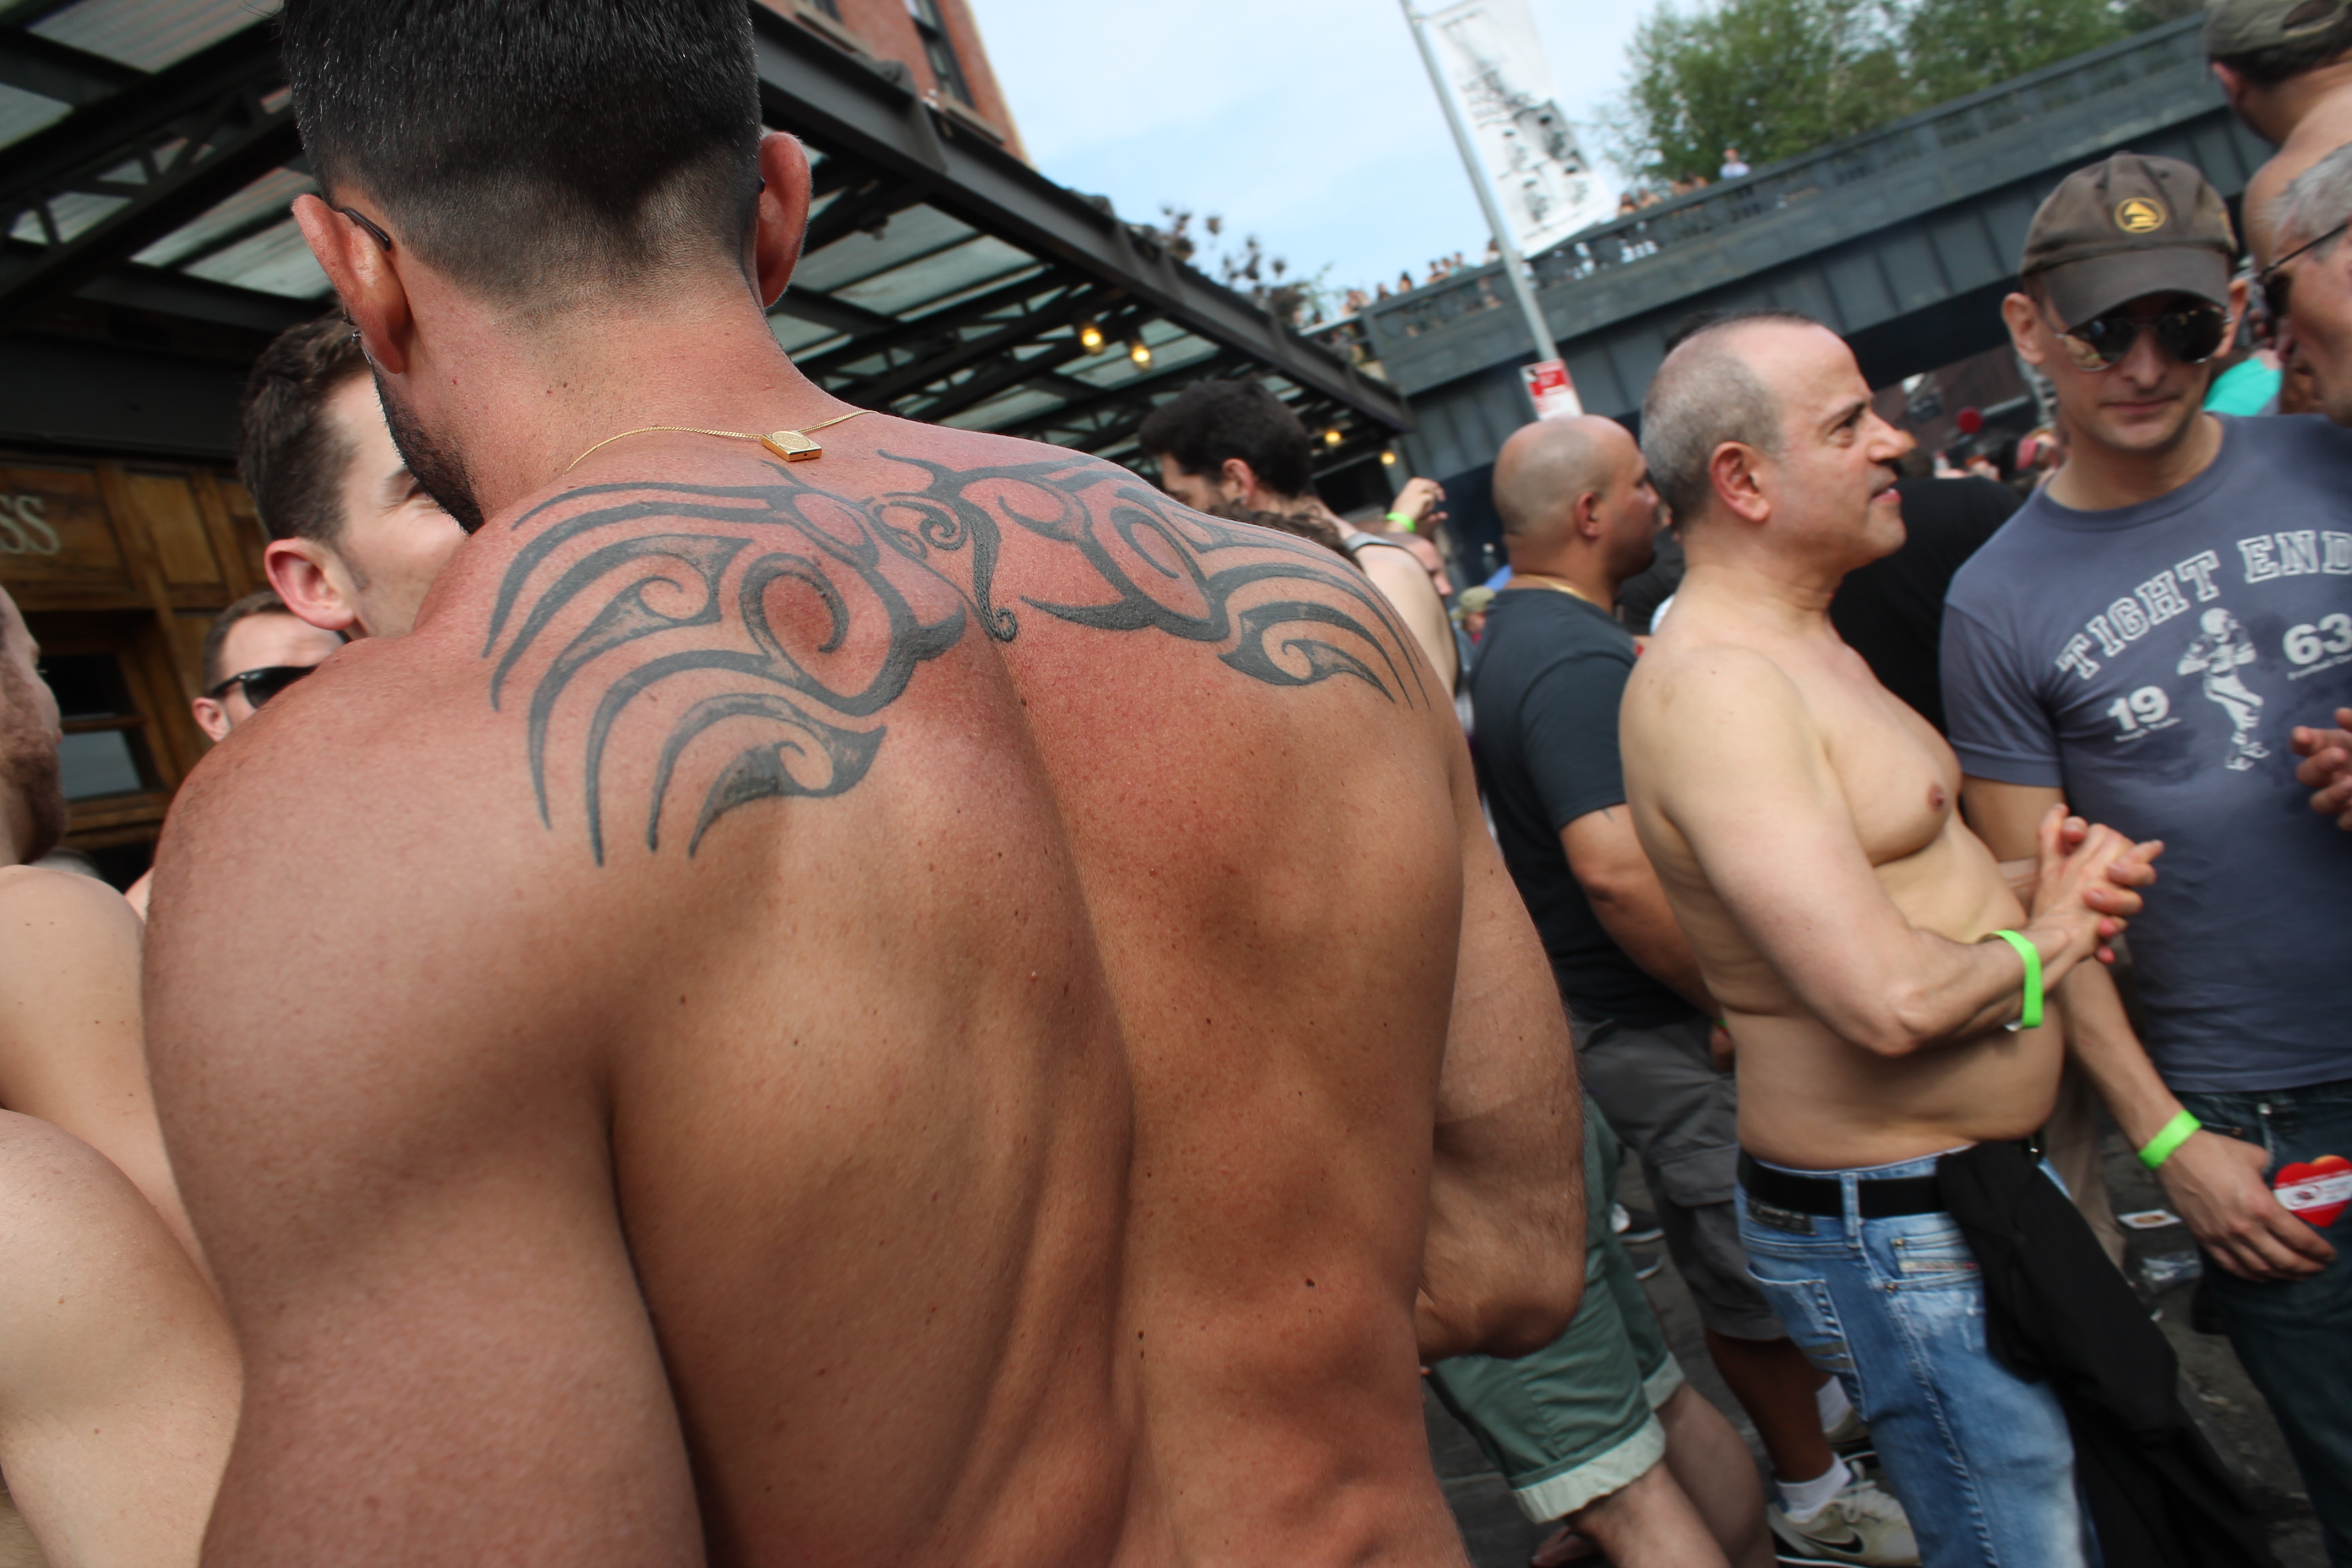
1881	1198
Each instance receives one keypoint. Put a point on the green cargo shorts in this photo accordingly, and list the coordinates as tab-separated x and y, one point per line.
1576	1420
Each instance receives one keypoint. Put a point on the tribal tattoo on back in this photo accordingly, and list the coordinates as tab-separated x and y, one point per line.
795	616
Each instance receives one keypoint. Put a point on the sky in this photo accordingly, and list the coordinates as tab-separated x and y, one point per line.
1311	123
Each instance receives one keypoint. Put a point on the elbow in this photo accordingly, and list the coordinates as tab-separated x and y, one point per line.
1899	1024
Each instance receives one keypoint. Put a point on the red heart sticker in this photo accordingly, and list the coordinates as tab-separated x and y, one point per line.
2317	1192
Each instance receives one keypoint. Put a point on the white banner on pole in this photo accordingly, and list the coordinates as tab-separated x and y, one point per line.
1495	65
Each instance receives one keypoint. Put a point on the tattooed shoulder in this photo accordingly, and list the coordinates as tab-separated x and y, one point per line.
795	614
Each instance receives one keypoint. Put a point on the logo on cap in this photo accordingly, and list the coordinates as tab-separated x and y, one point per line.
2139	214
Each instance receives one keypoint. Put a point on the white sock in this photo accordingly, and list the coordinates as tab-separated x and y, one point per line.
1831	1400
1803	1500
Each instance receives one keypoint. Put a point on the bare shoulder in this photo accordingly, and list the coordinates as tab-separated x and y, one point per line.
41	905
1679	679
650	615
61	1203
69	942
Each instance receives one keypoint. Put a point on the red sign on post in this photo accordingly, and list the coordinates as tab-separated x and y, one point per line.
1550	389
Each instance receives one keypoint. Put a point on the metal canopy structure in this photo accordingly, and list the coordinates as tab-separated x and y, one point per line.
148	155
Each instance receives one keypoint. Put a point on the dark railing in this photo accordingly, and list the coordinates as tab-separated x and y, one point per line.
1814	176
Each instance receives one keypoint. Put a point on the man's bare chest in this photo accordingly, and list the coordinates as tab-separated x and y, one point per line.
1899	779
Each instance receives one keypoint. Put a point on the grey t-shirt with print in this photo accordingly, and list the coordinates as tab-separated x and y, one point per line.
2153	660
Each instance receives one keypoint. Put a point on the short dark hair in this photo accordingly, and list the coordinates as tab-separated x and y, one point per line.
1211	421
260	602
524	147
2280	62
288	453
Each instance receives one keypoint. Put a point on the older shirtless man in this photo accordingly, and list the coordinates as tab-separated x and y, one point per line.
817	1010
1801	820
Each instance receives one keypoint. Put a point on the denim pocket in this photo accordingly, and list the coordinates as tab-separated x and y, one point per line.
1932	1260
1921	1253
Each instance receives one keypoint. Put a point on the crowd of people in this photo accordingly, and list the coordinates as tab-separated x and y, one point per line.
874	992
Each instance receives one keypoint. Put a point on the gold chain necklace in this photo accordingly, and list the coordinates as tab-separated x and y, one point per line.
1541	581
792	445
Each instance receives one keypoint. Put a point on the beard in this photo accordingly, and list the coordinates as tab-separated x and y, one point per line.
433	464
28	764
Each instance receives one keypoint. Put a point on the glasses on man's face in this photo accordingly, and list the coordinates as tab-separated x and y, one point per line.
2275	283
2192	335
261	685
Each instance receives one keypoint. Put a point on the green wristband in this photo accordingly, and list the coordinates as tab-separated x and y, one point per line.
2029	1016
1401	520
2176	1132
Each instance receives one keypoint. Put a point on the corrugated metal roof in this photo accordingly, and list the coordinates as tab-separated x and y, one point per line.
960	325
150	33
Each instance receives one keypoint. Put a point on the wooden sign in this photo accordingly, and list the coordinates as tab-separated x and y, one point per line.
54	529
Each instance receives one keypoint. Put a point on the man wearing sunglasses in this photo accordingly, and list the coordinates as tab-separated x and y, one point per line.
256	649
2139	641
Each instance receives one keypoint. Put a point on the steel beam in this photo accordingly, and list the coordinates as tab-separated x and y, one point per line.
903	332
824	311
35	63
888	385
199	131
1142	388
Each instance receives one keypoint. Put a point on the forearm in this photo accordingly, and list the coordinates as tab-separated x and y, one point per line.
1929	991
1652	938
2100	1036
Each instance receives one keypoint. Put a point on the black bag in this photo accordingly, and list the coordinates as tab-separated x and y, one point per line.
2056	1309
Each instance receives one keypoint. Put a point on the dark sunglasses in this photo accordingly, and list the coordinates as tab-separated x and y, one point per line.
2277	283
2191	335
261	684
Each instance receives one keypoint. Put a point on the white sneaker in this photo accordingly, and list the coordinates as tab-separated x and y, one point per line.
1861	1524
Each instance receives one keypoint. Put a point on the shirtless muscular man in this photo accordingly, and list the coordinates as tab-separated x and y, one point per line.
817	1011
1801	821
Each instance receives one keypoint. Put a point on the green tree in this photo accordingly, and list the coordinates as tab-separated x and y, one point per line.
1955	47
1777	78
1772	78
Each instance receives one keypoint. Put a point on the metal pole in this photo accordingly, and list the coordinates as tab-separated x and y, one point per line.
1513	268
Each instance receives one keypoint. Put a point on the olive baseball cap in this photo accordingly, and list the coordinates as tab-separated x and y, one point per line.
2127	227
2244	27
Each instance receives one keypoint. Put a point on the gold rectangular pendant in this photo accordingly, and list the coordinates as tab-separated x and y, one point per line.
792	445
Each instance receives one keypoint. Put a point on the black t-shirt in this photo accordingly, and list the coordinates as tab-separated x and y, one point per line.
1892	612
1551	672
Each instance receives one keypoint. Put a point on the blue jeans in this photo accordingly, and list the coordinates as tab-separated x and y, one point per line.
2295	1337
1980	1458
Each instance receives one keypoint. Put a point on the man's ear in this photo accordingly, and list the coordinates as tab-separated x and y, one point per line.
314	582
1585	516
366	279
211	718
1236	480
783	213
2017	312
1732	467
2234	85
